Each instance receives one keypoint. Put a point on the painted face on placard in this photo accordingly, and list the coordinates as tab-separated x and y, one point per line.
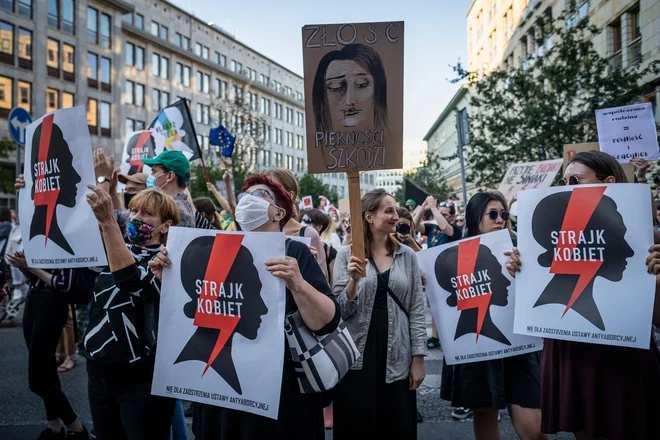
350	91
54	181
586	242
219	276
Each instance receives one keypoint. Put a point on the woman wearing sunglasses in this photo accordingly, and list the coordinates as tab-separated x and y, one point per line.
592	390
488	386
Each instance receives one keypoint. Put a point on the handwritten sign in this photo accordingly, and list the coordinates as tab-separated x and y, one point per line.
530	175
570	150
628	132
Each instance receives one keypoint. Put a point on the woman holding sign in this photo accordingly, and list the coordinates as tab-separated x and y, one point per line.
593	390
488	386
384	312
265	206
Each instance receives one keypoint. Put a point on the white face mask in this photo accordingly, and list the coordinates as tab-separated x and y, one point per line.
252	212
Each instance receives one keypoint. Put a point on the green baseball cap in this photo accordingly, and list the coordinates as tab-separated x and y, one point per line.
174	161
411	202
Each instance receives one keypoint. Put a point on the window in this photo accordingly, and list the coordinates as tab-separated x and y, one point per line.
25	8
278	160
154	28
25	95
186	76
8	5
300	164
206	83
300	119
177	39
6	43
139	21
267	133
198	81
300	141
92	70
6	103
106	68
53	58
289	115
92	114
262	78
53	14
223	61
68	16
69	62
24	49
127	18
278	111
232	66
155	100
164	99
265	106
67	100
216	57
164	68
635	47
52	100
178	73
130	126
139	58
278	136
129	89
105	31
206	110
265	158
92	25
186	43
239	67
130	54
163	33
139	95
198	49
155	64
205	53
289	162
105	119
289	139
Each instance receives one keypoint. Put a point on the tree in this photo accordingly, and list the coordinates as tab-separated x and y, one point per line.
530	112
313	186
7	176
428	177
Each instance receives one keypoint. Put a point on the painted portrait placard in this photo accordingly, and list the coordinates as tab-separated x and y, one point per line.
583	276
354	96
221	324
57	224
472	299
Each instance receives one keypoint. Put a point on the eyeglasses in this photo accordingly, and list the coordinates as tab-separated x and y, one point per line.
260	193
504	215
573	180
460	220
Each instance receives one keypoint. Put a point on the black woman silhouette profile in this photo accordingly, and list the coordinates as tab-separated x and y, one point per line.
474	276
587	242
54	181
219	275
140	146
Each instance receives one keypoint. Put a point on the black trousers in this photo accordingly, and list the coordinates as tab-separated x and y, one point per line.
44	317
126	410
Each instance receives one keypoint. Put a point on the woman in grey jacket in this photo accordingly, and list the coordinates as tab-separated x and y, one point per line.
384	312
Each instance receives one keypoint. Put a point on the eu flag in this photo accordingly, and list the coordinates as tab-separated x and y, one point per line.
220	137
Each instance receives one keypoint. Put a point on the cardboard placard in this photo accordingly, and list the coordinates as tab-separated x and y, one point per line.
628	132
344	206
472	299
354	96
571	150
307	202
583	275
530	175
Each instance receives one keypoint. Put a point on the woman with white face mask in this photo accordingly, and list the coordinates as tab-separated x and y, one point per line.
264	206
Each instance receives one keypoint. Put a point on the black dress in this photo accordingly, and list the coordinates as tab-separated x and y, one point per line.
300	415
364	405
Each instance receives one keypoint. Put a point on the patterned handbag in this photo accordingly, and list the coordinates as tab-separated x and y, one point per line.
320	361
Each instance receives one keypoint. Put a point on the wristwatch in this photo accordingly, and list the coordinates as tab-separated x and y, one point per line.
102	179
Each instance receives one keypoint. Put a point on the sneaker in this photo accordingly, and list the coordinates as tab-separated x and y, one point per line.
432	343
82	435
420	419
461	413
48	434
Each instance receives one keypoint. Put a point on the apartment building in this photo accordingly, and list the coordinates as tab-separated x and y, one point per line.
125	61
414	155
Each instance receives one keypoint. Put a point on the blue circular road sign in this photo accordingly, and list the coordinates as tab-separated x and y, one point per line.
19	119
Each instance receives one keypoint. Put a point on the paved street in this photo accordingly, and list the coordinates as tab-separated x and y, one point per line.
21	412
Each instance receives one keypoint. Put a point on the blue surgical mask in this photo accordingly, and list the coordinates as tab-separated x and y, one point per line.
151	181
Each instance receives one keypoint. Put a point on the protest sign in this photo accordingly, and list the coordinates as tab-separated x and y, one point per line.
307	241
57	224
583	277
530	175
354	92
571	150
139	145
628	132
307	202
344	206
472	299
221	325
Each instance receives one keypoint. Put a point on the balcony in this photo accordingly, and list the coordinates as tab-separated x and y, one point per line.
616	61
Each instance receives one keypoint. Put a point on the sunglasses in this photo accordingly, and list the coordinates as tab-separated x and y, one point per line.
307	221
573	180
260	193
460	220
446	204
494	214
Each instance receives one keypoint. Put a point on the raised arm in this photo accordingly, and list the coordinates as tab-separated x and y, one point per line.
221	200
437	215
419	216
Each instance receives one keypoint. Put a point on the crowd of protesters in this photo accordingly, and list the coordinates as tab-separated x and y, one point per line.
593	391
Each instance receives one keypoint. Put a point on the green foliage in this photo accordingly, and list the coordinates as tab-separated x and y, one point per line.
6	147
197	185
313	186
528	114
428	177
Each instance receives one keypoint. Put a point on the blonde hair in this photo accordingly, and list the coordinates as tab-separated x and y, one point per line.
289	182
158	203
332	227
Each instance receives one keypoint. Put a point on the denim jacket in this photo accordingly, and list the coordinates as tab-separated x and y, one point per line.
405	338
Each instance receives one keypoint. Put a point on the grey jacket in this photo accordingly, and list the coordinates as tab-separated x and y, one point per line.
405	339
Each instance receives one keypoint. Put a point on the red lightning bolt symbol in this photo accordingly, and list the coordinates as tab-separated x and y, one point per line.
581	207
139	146
467	260
223	254
48	198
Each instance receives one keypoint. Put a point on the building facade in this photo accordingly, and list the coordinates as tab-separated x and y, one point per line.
414	155
125	61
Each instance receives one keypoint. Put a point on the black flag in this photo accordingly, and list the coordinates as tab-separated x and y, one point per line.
174	130
412	191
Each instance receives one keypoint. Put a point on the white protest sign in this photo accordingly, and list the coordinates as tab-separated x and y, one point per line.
583	275
307	241
628	132
57	224
472	299
307	202
530	175
221	325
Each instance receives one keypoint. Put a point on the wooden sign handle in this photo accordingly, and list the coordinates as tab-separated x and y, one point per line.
355	203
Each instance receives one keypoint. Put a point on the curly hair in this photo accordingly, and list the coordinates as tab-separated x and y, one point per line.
282	197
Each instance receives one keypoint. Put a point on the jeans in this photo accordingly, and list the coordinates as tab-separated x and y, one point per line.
179	430
126	410
45	314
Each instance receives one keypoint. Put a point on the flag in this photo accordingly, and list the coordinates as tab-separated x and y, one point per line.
412	191
173	129
220	137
